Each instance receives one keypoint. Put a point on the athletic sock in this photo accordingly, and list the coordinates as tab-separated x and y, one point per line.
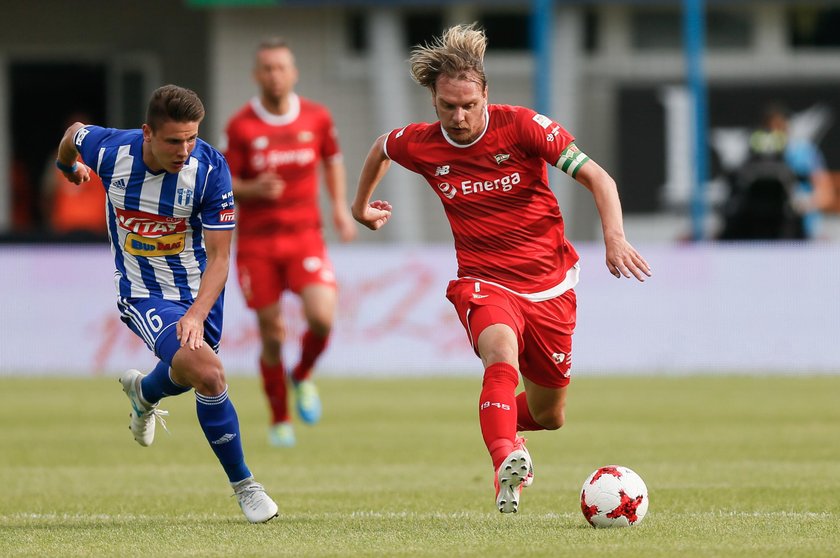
274	385
311	347
524	420
220	424
158	384
497	410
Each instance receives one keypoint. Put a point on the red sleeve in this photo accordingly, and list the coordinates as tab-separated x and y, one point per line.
398	146
329	144
540	136
236	152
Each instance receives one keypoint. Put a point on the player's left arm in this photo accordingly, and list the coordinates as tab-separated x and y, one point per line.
335	176
190	327
621	257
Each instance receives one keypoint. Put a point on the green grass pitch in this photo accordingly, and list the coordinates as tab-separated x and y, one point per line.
735	465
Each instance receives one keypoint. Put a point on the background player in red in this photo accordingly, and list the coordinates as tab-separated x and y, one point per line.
516	270
275	144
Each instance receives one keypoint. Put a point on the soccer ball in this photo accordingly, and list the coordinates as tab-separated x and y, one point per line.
614	496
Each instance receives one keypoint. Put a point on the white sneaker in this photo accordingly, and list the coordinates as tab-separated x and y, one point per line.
257	506
142	414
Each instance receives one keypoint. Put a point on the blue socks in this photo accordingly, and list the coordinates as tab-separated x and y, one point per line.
158	384
220	424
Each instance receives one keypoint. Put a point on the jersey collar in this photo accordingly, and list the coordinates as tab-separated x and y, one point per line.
277	119
476	140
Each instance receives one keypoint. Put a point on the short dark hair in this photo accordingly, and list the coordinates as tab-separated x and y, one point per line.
173	103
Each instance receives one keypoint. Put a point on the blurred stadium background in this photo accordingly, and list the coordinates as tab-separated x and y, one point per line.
615	73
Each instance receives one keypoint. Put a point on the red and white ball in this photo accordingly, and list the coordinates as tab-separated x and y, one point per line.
614	496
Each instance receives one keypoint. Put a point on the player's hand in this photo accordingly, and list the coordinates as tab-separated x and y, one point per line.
374	215
81	175
269	186
624	260
190	332
344	224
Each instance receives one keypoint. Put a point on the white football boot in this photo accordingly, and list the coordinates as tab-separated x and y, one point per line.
257	506
142	414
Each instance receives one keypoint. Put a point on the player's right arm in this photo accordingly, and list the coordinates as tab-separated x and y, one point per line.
68	155
372	214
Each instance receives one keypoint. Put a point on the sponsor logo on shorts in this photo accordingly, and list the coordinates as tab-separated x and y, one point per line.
476	295
227	216
312	264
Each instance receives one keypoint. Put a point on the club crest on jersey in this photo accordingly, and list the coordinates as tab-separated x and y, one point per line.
305	136
184	196
501	157
441	171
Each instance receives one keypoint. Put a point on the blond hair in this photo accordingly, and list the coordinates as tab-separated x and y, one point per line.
458	54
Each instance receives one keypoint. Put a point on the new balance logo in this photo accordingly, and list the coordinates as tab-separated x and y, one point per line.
441	171
120	184
224	439
501	158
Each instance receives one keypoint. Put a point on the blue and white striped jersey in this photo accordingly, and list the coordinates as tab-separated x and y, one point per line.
156	219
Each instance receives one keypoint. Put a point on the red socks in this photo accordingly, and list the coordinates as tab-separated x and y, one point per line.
524	420
311	348
497	410
274	385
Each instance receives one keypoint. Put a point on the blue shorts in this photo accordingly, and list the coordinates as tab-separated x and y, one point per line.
154	320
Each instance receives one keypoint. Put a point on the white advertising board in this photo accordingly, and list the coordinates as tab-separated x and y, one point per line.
708	308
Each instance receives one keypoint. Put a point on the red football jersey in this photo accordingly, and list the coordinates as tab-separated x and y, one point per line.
504	217
291	145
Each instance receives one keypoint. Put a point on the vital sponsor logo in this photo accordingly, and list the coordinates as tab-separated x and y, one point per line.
447	190
543	121
119	184
168	245
501	157
227	216
224	439
184	196
148	224
80	136
441	171
505	184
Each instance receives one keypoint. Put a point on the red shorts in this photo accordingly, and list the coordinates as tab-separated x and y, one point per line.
543	329
267	267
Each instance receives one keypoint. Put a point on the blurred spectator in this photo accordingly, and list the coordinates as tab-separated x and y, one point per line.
70	210
781	189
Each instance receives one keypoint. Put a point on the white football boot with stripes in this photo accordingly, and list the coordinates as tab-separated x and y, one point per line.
256	504
142	414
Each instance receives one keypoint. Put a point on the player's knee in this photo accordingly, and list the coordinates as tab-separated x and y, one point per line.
552	419
320	327
211	380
